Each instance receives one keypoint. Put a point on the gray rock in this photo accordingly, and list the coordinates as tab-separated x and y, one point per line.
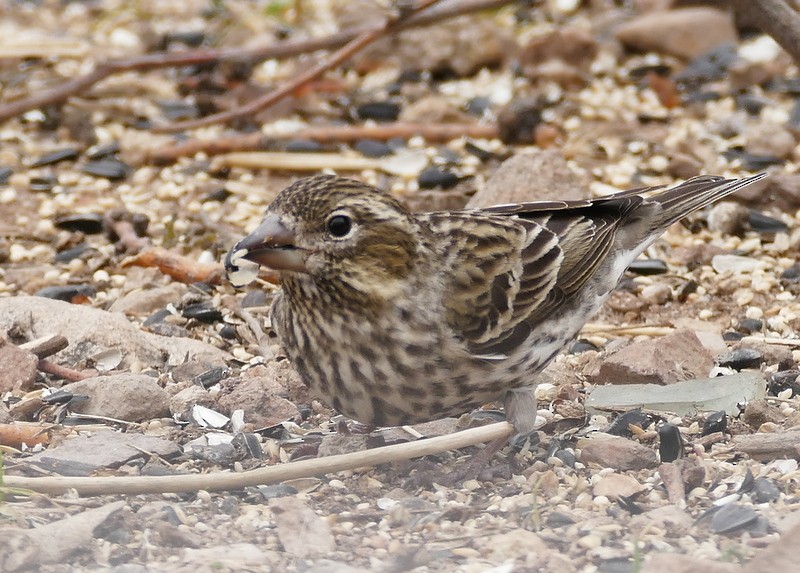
91	331
129	397
301	531
83	455
683	398
540	176
57	542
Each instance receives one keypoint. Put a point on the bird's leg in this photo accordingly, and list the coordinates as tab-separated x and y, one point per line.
520	406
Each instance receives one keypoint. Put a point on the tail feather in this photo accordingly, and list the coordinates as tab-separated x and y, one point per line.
695	194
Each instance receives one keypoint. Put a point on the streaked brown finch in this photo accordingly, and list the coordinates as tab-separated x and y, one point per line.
394	317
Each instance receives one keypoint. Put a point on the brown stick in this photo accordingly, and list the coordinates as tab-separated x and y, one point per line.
776	18
341	55
69	374
46	345
20	433
431	132
80	85
181	268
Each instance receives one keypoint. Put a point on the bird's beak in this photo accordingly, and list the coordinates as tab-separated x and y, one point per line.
271	244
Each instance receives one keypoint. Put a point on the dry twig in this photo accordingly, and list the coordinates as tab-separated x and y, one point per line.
221	481
776	18
431	132
340	56
64	372
80	85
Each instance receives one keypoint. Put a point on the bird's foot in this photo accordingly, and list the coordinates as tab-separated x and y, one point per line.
482	467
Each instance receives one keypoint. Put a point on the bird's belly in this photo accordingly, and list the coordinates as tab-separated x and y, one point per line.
385	390
385	379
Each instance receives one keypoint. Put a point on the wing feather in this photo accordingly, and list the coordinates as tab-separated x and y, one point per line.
511	269
514	266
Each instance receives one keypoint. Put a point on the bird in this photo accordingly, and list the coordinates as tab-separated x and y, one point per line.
394	318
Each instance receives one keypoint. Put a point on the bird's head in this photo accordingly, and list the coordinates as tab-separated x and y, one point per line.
334	230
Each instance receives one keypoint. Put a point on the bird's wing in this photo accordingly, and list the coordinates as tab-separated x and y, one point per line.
511	268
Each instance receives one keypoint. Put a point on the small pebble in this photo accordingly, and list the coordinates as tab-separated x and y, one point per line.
109	168
54	157
435	177
591	541
379	111
303	146
658	293
741	358
647	267
750	325
728	218
372	148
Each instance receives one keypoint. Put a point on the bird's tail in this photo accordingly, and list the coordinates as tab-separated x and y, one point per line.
695	194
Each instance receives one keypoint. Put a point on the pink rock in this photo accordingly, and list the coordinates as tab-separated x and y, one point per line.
618	453
666	360
17	367
685	32
541	176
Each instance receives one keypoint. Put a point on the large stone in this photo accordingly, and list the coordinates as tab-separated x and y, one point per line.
666	360
91	331
685	32
618	453
83	455
540	176
301	531
260	395
129	397
685	398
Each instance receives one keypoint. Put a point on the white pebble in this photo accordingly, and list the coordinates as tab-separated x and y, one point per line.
658	293
734	263
754	312
590	541
101	276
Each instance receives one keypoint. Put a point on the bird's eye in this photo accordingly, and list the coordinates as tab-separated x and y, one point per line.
339	225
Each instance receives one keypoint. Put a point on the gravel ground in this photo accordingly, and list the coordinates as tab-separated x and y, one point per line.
559	81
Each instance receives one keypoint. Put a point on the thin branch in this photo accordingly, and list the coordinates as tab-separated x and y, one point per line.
223	481
341	55
430	132
80	85
776	18
68	374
